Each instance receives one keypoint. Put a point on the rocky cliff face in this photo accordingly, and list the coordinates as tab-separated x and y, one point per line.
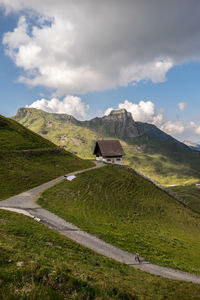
119	123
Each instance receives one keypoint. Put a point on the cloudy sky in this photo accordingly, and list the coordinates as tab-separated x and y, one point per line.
88	57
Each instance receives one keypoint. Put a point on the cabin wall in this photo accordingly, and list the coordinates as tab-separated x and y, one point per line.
111	160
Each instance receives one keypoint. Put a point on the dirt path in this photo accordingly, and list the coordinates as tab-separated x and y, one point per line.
25	203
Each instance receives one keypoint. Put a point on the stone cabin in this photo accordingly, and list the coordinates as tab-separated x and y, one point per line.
109	151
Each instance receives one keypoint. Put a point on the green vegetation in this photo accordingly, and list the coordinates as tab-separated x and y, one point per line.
190	193
155	154
124	209
60	130
162	169
22	168
14	136
38	263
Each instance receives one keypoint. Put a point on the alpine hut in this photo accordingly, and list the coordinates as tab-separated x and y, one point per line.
109	151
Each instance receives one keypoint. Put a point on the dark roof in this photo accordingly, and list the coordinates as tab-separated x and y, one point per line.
109	148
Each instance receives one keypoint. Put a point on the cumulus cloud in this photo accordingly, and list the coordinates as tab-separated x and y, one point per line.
69	105
144	111
173	128
108	111
182	105
197	130
195	126
80	46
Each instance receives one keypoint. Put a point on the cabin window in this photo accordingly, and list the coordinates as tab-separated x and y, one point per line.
108	159
118	159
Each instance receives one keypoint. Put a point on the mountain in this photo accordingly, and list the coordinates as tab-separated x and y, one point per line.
193	146
147	148
14	136
27	159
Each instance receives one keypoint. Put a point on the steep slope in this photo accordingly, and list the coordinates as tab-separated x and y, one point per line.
147	148
130	212
37	263
14	136
63	130
27	159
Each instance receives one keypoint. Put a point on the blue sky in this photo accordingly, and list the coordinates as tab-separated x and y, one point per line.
87	64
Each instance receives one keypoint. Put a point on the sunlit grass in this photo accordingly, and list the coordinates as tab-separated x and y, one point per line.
122	208
38	263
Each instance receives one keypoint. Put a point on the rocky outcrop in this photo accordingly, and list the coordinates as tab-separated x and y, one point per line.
119	123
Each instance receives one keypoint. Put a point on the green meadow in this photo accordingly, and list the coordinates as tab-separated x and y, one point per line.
190	193
38	263
21	171
28	160
129	212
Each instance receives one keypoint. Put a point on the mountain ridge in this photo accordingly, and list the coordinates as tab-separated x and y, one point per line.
147	148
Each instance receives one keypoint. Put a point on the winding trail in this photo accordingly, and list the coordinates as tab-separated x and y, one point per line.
25	203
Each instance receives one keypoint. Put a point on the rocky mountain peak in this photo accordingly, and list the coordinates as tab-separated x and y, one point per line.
118	123
23	112
122	111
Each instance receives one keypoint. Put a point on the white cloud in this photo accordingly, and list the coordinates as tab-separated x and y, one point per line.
182	105
69	105
192	124
197	130
173	128
108	111
80	46
143	111
195	127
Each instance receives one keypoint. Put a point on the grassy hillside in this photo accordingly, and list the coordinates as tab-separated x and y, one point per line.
14	136
38	263
158	156
61	131
122	208
21	171
190	193
27	159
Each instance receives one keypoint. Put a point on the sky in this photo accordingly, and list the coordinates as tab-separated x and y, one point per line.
89	57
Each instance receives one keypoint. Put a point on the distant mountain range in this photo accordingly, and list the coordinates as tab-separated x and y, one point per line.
147	148
193	146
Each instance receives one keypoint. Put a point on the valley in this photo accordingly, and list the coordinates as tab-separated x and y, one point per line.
148	149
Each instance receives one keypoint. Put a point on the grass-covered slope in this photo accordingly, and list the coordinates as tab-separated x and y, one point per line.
63	130
190	193
14	136
37	263
24	170
27	159
124	209
154	153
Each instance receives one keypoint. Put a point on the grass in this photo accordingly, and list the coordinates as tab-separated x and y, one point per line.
125	210
164	161
14	136
28	160
20	171
190	193
38	263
